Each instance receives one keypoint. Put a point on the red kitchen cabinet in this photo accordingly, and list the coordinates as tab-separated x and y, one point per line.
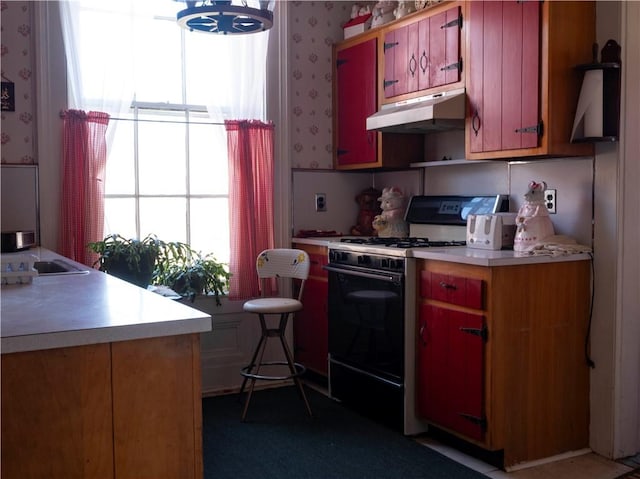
522	89
423	54
356	73
355	97
450	367
310	326
500	355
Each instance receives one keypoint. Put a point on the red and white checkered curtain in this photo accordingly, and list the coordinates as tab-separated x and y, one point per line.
251	150
83	173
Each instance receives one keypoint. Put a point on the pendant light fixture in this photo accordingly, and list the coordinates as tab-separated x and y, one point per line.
225	17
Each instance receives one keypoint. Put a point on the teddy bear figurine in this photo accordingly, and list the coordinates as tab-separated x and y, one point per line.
533	224
390	223
369	208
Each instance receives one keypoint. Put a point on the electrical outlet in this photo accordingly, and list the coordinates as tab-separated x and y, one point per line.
550	199
321	202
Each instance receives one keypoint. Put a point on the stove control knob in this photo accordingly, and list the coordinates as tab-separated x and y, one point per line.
364	260
384	262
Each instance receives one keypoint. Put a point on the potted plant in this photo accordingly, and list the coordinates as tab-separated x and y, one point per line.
128	258
189	273
153	261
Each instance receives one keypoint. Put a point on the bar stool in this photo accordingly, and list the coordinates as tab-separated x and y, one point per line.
276	263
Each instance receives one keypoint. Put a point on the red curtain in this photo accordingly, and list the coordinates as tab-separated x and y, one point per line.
250	147
83	170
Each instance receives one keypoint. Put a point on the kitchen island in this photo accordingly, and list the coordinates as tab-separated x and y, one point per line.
100	378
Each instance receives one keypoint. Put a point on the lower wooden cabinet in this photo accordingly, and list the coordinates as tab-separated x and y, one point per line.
310	326
509	373
450	367
128	409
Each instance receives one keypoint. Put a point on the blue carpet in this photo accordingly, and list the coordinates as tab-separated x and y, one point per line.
279	440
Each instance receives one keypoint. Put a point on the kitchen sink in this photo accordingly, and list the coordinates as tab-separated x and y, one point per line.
57	266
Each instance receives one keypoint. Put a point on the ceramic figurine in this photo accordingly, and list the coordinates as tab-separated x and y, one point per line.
533	224
369	208
390	223
404	8
383	13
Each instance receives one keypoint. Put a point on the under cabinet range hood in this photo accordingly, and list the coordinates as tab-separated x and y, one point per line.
439	112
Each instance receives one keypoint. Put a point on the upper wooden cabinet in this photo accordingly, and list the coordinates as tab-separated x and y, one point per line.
422	54
522	88
355	97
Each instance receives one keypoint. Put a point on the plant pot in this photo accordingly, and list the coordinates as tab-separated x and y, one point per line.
140	276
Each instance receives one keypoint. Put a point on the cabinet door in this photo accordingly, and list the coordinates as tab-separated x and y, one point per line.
503	88
444	48
56	413
422	55
396	72
450	370
310	327
356	100
163	441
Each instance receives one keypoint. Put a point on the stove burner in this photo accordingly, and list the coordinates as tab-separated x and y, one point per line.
401	242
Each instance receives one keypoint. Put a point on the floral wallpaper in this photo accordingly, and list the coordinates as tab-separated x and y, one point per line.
18	127
314	27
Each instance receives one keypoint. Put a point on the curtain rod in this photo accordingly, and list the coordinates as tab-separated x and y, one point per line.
162	121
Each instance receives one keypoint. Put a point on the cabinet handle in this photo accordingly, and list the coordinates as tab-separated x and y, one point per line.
413	65
423	66
447	285
421	334
475	122
370	137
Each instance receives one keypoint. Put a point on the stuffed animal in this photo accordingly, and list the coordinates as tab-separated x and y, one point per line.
533	224
390	223
369	208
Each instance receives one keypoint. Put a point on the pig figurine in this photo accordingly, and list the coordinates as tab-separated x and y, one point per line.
533	224
390	223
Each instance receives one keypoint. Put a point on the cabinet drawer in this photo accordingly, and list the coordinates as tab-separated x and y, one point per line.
456	290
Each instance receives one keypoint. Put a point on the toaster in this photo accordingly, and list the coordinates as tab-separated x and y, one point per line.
494	231
17	241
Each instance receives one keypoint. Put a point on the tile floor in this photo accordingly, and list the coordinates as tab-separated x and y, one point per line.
585	466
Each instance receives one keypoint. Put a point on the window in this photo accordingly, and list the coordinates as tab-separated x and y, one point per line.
167	168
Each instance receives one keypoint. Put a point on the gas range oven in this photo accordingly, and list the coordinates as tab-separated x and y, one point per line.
372	307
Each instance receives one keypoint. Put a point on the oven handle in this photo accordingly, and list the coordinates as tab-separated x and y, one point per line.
366	373
363	274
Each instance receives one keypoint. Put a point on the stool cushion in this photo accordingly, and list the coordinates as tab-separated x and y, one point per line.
272	305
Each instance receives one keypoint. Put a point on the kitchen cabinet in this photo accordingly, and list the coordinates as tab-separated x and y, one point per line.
355	97
501	355
121	409
422	54
522	88
310	326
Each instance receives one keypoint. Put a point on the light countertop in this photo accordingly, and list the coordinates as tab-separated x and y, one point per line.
72	310
462	254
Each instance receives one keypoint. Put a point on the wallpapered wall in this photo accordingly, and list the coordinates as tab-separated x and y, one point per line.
313	28
18	127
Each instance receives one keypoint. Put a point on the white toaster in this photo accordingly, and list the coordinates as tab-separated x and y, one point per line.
494	231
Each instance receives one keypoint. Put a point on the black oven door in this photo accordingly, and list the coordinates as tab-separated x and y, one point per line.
366	321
